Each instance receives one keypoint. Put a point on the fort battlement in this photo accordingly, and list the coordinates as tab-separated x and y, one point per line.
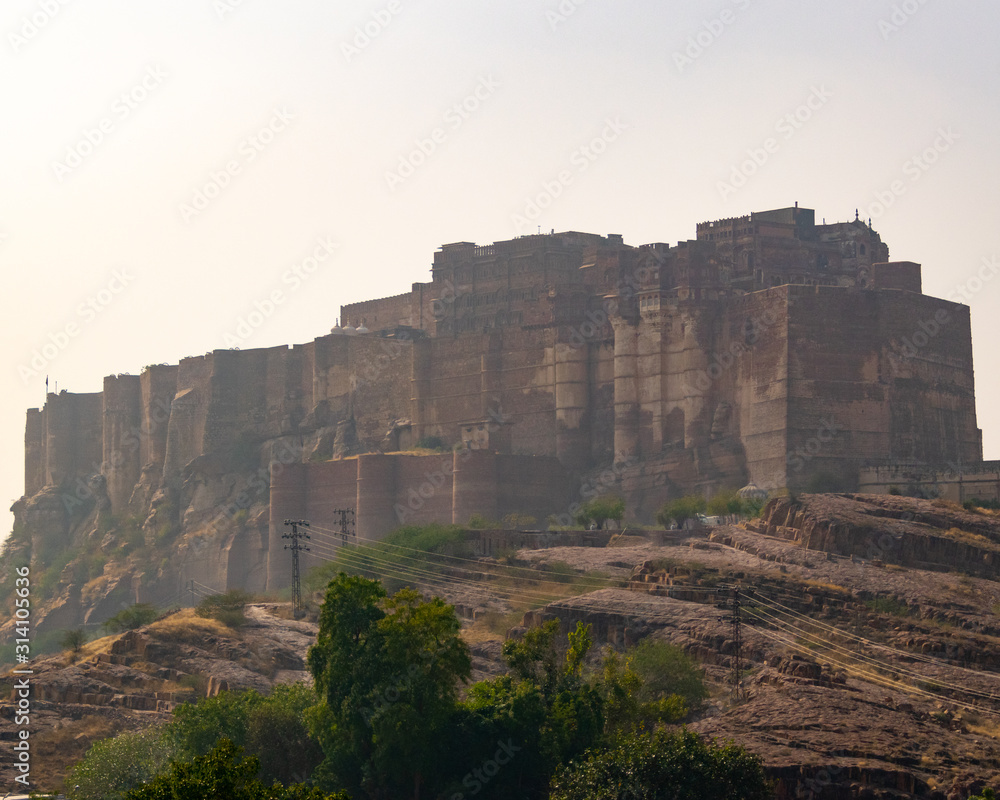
789	354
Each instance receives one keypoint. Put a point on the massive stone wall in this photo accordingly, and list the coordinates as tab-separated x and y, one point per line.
769	348
387	491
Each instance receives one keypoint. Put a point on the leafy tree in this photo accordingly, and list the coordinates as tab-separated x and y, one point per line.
74	640
222	774
227	608
681	509
197	727
600	510
725	502
385	667
278	735
271	728
663	766
543	713
131	618
666	670
115	765
986	794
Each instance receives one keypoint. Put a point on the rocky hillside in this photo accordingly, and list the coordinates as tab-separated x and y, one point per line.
868	674
135	679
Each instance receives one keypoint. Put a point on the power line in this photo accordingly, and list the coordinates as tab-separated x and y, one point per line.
295	547
389	565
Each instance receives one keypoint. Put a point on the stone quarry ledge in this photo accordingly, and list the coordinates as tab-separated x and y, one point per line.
887	529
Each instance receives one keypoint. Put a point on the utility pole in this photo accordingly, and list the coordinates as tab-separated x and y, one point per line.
736	602
296	547
346	523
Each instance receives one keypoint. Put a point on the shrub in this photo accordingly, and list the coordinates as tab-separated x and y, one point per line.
431	443
663	766
114	766
74	640
888	605
975	502
227	608
131	618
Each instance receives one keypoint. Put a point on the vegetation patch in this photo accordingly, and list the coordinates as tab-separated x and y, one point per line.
888	605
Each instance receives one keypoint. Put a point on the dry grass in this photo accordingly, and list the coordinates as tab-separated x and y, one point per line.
974	539
186	626
489	628
951	505
96	647
985	728
829	587
61	747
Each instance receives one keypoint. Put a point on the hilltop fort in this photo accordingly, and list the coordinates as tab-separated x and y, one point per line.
548	368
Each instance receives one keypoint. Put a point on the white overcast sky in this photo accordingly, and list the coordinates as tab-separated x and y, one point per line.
678	95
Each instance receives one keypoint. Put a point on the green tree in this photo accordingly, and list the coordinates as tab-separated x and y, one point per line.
115	765
74	640
131	618
681	509
600	510
665	670
725	502
663	766
385	667
538	716
221	774
271	728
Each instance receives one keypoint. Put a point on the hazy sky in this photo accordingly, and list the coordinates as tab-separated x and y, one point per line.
167	166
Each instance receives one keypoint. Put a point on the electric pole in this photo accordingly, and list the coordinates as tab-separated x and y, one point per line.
346	523
736	602
296	547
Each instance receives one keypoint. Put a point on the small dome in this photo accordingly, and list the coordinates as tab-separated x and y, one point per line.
363	329
752	492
